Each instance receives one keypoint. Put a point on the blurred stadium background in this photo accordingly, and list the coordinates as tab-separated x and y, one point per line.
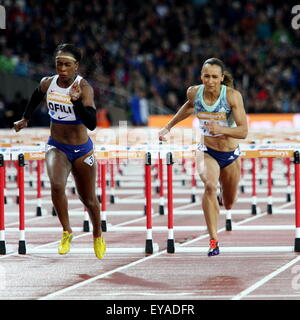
141	56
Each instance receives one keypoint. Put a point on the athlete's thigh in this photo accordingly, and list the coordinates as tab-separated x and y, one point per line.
58	166
208	168
230	178
84	172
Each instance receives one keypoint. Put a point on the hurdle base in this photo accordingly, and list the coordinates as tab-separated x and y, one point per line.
297	245
149	246
54	212
161	210
86	226
22	247
253	209
170	246
38	211
103	225
269	209
112	199
2	247
242	188
193	198
228	225
288	197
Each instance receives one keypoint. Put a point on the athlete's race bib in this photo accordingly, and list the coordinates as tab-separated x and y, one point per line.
206	117
60	107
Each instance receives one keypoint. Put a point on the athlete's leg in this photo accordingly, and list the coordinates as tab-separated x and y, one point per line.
209	172
84	172
229	180
59	168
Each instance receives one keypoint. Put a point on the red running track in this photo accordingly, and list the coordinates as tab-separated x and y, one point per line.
160	276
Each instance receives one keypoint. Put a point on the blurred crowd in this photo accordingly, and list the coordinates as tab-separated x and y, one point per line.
152	51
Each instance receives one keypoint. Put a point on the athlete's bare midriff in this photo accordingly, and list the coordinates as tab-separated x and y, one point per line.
72	134
221	143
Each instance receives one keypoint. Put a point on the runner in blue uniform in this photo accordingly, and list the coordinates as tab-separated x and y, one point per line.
70	100
222	122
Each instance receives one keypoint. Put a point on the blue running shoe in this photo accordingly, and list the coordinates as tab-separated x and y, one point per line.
213	248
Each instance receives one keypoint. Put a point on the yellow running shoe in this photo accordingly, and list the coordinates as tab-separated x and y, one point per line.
65	242
99	247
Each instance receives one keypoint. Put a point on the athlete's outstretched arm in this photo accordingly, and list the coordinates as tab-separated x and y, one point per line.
35	100
185	111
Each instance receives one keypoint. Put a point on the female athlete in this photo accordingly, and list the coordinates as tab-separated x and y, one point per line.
70	100
222	122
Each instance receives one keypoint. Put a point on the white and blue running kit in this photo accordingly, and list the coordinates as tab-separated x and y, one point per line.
61	110
221	112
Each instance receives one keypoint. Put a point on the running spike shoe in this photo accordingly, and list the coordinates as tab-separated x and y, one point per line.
213	248
65	242
99	247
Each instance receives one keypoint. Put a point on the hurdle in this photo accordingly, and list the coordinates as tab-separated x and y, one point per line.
103	195
39	188
297	199
288	175
2	222
149	248
161	186
269	153
22	243
171	212
296	248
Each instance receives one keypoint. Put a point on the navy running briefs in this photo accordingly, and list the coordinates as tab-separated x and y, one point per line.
72	152
224	158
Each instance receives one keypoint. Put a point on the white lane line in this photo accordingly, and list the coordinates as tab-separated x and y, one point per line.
193	294
265	279
103	275
144	217
238	223
133	263
85	282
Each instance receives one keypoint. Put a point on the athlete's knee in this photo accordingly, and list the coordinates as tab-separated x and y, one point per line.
210	187
91	203
57	187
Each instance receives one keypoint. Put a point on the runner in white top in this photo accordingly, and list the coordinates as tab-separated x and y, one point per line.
61	108
222	121
70	100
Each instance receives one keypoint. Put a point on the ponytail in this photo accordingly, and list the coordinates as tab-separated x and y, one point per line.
228	79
